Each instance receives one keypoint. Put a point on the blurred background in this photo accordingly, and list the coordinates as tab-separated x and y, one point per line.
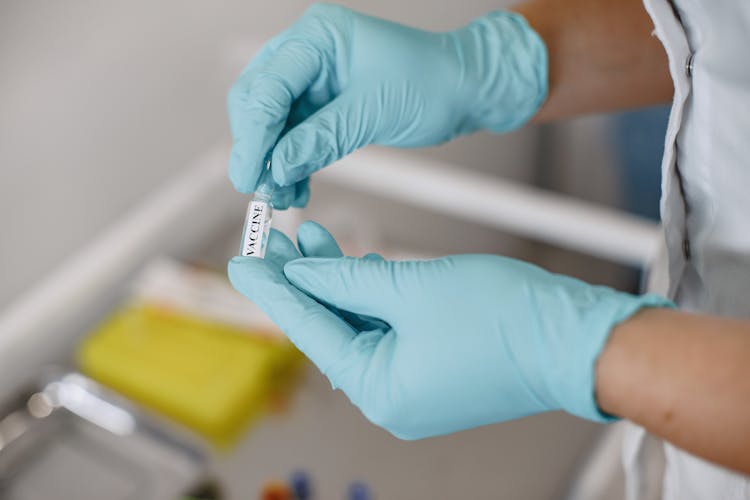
105	107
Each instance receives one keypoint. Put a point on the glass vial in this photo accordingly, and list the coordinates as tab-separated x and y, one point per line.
258	219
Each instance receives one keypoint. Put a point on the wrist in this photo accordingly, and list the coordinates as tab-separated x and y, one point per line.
617	384
580	386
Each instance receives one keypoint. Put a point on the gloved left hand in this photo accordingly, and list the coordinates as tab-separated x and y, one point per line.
430	347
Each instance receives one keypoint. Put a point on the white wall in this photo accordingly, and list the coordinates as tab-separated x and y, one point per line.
100	102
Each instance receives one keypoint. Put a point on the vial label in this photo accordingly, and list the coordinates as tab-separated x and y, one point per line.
257	214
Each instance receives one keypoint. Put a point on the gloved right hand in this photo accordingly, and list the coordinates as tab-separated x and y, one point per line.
338	80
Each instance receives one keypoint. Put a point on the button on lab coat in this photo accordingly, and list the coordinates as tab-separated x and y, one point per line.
705	209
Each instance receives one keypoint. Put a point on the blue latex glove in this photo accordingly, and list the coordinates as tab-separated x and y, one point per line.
431	347
338	80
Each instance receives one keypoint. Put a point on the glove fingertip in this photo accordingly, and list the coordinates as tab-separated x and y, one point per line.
314	240
302	194
280	165
310	228
237	272
298	154
283	197
235	264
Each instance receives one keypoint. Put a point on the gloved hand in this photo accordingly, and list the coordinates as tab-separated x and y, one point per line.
338	80
431	347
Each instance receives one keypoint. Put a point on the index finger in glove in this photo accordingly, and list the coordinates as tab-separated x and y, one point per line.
260	102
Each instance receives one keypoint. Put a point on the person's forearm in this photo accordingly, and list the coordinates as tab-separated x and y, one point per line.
685	378
602	56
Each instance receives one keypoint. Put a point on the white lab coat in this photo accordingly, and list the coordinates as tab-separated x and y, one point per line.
705	210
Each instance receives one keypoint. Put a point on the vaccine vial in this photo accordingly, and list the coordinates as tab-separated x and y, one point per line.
258	219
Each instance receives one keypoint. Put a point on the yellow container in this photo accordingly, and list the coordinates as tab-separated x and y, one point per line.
211	377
